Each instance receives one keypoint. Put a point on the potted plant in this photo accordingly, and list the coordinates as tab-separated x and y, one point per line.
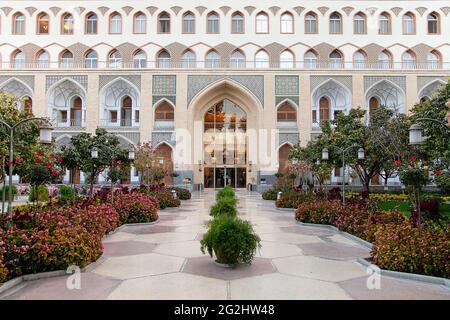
231	240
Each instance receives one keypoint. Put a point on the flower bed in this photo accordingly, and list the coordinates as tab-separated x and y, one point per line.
162	194
396	244
54	236
292	199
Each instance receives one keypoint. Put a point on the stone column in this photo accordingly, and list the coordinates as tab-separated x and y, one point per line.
146	109
93	104
411	92
358	98
40	103
304	112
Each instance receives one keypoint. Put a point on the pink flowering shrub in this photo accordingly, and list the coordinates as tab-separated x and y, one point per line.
322	212
136	207
3	270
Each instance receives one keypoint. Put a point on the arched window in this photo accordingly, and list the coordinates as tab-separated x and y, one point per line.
115	23
409	60
287	23
336	60
188	22
262	59
126	109
66	60
164	116
43	23
42	59
384	23
384	60
76	112
91	60
163	59
189	59
262	23
237	59
139	23
213	23
335	23
91	23
311	25
115	59
433	60
311	60
237	23
287	59
18	26
359	60
67	24
212	60
139	59
433	23
409	23
359	23
374	104
18	60
164	22
286	113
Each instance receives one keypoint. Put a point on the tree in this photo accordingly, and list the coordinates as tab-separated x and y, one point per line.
144	160
78	154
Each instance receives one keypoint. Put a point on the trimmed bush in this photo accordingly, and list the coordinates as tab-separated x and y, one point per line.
14	192
226	192
400	247
164	197
272	193
136	208
182	194
321	212
232	240
292	199
224	207
38	193
66	194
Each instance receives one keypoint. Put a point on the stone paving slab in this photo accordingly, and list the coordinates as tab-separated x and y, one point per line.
148	229
331	250
207	268
126	248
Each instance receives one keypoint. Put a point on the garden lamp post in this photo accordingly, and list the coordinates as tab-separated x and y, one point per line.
361	156
45	137
416	132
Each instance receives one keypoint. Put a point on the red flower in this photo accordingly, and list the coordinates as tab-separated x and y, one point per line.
60	159
9	163
437	172
54	173
49	165
39	154
19	160
37	160
413	158
51	155
397	162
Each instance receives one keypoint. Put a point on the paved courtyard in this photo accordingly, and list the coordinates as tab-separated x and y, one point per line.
164	261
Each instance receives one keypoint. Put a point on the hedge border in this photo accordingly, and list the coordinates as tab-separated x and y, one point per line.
59	273
394	274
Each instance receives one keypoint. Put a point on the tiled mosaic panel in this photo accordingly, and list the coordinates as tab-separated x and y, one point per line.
292	138
279	99
423	81
172	99
82	80
255	84
168	137
164	85
286	85
371	80
28	80
344	80
106	79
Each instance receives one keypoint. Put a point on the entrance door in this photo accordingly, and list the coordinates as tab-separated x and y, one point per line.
224	146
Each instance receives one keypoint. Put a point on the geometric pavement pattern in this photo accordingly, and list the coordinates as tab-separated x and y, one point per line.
164	261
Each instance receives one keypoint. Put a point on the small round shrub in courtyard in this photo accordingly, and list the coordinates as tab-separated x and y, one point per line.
224	206
232	241
182	194
136	207
226	192
38	193
66	194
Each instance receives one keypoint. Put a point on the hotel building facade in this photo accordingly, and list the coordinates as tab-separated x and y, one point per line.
223	90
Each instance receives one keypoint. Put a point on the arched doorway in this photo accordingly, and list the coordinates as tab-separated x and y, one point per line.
163	155
373	106
283	158
225	146
324	109
76	112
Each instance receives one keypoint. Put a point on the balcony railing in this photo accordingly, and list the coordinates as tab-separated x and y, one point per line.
164	125
71	123
334	64
118	123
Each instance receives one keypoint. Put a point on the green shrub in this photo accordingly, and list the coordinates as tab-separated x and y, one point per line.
182	194
14	192
401	247
226	192
66	194
443	182
224	206
38	193
292	199
165	198
272	193
232	240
